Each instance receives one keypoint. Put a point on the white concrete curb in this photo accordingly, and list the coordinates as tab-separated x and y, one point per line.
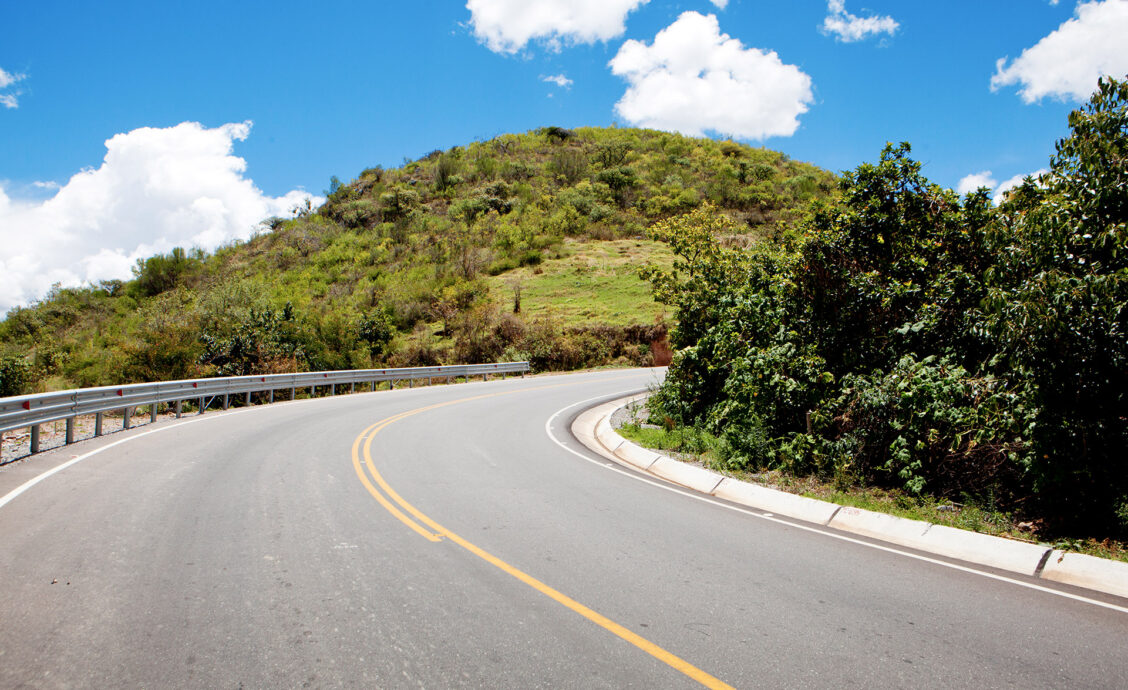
593	429
1087	571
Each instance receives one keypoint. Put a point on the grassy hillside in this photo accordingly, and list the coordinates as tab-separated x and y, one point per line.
523	246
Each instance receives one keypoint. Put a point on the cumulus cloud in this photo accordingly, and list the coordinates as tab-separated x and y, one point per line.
1066	63
694	79
998	190
155	189
558	79
1006	185
974	181
850	28
507	26
7	79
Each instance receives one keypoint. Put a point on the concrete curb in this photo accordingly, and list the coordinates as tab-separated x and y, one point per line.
593	428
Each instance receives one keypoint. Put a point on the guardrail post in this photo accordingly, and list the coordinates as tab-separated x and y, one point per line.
70	430
179	408
411	383
248	398
293	394
127	418
226	400
332	389
200	405
352	386
485	377
271	395
98	424
153	412
35	438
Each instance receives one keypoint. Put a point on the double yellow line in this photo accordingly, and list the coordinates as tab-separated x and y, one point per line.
418	521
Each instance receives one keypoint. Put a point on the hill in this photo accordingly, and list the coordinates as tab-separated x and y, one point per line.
525	246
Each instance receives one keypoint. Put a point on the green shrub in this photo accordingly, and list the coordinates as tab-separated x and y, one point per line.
922	340
14	375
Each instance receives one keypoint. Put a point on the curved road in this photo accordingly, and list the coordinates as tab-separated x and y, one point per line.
441	537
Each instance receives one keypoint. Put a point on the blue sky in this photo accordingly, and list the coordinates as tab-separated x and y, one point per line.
280	96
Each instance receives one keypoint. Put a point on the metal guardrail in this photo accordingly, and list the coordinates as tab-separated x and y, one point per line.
29	411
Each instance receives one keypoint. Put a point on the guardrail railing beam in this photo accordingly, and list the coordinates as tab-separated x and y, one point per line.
32	411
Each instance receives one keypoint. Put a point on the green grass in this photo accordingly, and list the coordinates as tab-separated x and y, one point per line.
687	442
593	281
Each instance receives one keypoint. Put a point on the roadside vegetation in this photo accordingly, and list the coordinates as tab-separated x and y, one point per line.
907	342
693	445
526	246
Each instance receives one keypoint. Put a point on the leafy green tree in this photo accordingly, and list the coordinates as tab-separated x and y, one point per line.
163	272
921	340
265	342
1058	307
622	180
895	266
376	331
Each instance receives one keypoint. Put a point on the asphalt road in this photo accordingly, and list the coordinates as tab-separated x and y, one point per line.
341	542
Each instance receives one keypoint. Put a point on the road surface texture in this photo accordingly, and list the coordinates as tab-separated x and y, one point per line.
440	537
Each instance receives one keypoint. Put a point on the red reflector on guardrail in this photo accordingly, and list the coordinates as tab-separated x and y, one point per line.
120	393
195	385
27	404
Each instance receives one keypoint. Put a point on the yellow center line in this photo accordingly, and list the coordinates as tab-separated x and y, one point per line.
364	442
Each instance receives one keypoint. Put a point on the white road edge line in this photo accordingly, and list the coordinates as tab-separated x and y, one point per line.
809	528
8	497
176	424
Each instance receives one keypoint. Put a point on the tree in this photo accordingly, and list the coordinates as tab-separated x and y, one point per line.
375	330
894	267
163	272
1058	307
921	340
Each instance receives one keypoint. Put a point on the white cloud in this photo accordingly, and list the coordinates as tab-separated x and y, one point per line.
156	189
1066	63
693	79
507	26
850	28
558	79
1005	186
49	184
721	4
9	100
7	79
998	190
972	182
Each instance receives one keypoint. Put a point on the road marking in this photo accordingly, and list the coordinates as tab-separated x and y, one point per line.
364	442
225	414
608	465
